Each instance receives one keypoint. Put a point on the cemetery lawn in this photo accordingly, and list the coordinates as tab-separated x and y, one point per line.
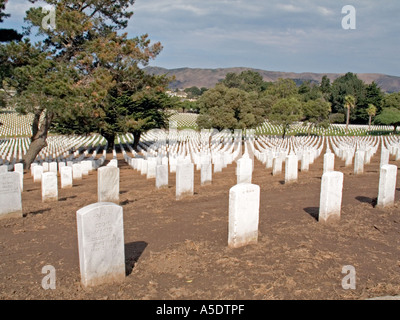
179	249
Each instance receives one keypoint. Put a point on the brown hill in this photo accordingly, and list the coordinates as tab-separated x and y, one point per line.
188	77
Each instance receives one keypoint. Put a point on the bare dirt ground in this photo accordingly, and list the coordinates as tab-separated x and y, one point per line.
179	250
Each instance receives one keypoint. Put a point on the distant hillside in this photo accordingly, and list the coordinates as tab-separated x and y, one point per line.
188	77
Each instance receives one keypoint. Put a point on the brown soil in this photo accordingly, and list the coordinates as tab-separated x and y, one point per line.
179	249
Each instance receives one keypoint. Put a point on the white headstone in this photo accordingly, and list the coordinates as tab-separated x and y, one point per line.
87	166
348	158
384	156
53	167
387	185
270	160
143	168
101	243
305	161
66	177
244	206
151	168
37	173
33	164
19	167
359	162
291	168
61	164
108	184
277	165
244	169
45	166
77	171
329	161
331	196
162	176
49	187
184	180
10	195
218	162
206	173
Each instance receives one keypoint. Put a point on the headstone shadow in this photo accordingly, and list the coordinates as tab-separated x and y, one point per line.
66	198
133	251
313	212
371	201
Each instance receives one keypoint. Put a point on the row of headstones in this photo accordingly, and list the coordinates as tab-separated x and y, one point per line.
11	187
15	124
157	168
58	146
274	159
363	156
47	174
101	231
13	148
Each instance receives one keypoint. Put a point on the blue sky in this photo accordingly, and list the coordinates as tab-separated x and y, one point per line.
276	35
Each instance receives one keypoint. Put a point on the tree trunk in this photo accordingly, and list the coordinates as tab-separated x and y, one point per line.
369	122
284	132
347	120
39	137
136	139
34	148
110	142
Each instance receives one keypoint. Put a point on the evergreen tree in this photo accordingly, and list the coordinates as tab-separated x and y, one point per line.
346	85
92	65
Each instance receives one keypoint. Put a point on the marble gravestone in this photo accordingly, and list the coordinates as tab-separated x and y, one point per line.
66	177
162	176
10	195
101	243
387	185
244	206
331	196
49	186
291	168
184	180
108	184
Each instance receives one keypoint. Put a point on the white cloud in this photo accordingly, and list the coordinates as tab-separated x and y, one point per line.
290	8
325	11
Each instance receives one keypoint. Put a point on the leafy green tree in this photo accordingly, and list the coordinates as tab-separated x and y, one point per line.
309	91
247	80
316	113
193	92
285	112
389	117
391	101
283	88
230	108
187	105
349	103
